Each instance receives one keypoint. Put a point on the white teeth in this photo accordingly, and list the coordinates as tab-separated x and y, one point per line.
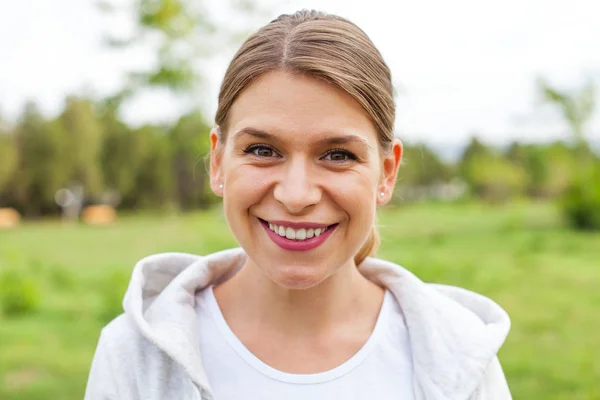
290	233
301	234
296	234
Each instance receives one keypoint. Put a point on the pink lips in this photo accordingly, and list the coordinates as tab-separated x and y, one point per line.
298	245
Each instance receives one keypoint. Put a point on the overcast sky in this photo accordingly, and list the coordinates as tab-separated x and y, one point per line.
460	67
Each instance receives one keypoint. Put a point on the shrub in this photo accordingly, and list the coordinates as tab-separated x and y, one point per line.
581	202
19	293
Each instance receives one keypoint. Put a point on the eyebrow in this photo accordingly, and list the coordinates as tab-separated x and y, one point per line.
330	140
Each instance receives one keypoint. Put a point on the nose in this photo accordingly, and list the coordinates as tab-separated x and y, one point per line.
296	189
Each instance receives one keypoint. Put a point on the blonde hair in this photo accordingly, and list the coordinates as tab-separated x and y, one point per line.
325	47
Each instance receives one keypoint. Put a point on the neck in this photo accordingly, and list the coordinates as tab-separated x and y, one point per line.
251	299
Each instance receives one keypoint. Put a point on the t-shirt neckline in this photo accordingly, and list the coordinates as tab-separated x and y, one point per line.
286	377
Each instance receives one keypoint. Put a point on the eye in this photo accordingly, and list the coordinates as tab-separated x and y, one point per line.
339	155
261	150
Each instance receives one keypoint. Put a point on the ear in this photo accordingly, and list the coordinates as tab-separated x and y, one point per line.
391	163
216	156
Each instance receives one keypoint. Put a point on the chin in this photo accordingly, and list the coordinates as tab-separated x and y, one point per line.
297	277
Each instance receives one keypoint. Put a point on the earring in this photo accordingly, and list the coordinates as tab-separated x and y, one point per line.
381	194
221	186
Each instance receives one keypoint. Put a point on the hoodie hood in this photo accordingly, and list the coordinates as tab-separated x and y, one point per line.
454	333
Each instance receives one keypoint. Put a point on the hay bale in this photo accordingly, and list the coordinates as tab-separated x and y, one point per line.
9	218
98	215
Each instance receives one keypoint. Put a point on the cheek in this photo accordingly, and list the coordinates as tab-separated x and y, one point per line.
355	193
244	186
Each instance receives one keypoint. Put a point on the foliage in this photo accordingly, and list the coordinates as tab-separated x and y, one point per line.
582	199
183	35
123	155
422	167
424	176
20	292
560	163
550	169
149	167
84	137
490	175
495	179
44	165
154	182
190	144
581	202
8	160
475	149
577	108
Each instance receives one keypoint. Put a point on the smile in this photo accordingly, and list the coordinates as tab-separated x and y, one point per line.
297	236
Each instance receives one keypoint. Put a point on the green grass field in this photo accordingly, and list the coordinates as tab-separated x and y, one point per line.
546	276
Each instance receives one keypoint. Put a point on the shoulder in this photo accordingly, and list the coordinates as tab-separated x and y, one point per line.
494	385
123	343
482	308
439	301
454	333
128	349
140	368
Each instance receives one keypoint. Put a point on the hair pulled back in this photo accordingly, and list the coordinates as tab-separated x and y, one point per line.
325	47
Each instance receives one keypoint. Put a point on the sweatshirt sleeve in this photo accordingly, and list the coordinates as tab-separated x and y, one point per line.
101	384
494	385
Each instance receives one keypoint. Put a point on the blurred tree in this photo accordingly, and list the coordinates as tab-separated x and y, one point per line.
550	168
422	167
84	141
8	160
155	178
190	144
560	162
123	153
475	149
491	176
43	161
581	203
533	161
577	107
424	176
494	178
183	34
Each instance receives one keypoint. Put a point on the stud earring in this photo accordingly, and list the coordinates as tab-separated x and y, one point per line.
221	186
382	194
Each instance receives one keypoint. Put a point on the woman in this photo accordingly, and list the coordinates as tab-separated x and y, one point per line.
302	153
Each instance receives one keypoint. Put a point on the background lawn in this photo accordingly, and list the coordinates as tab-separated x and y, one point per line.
546	276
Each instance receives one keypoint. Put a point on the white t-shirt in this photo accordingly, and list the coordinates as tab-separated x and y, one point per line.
381	370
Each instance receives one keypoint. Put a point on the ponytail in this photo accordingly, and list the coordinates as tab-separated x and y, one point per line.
370	247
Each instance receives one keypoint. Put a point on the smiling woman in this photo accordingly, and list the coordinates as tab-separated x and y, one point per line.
302	153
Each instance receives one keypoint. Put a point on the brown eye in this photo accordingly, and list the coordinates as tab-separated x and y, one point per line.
339	156
263	152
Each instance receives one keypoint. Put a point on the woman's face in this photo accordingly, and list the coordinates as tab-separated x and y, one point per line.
302	175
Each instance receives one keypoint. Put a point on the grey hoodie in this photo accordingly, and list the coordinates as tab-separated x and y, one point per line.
151	352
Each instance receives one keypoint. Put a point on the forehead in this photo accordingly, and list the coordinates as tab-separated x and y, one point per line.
299	107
